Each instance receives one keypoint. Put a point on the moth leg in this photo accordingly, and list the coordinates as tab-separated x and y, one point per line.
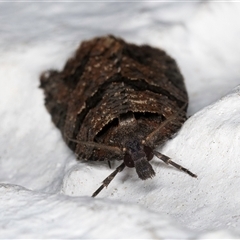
109	164
167	160
109	179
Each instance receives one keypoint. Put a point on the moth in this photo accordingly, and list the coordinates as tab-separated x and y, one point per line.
117	101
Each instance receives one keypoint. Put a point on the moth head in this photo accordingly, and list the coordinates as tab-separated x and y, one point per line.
138	156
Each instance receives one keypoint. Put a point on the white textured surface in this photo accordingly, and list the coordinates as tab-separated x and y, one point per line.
44	191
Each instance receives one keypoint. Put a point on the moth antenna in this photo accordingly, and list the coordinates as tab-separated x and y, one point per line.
97	145
167	160
107	180
163	124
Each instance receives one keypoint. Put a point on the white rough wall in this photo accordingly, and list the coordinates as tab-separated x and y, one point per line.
44	191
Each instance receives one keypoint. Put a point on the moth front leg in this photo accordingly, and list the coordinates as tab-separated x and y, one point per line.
167	160
107	180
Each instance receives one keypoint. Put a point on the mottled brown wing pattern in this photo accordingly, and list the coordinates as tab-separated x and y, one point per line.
106	78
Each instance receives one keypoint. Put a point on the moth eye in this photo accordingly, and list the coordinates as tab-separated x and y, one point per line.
128	161
143	141
124	149
149	153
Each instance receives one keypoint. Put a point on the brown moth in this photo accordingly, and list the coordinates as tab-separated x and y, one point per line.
117	101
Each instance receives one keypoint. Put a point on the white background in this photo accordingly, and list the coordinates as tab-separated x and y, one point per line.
45	192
